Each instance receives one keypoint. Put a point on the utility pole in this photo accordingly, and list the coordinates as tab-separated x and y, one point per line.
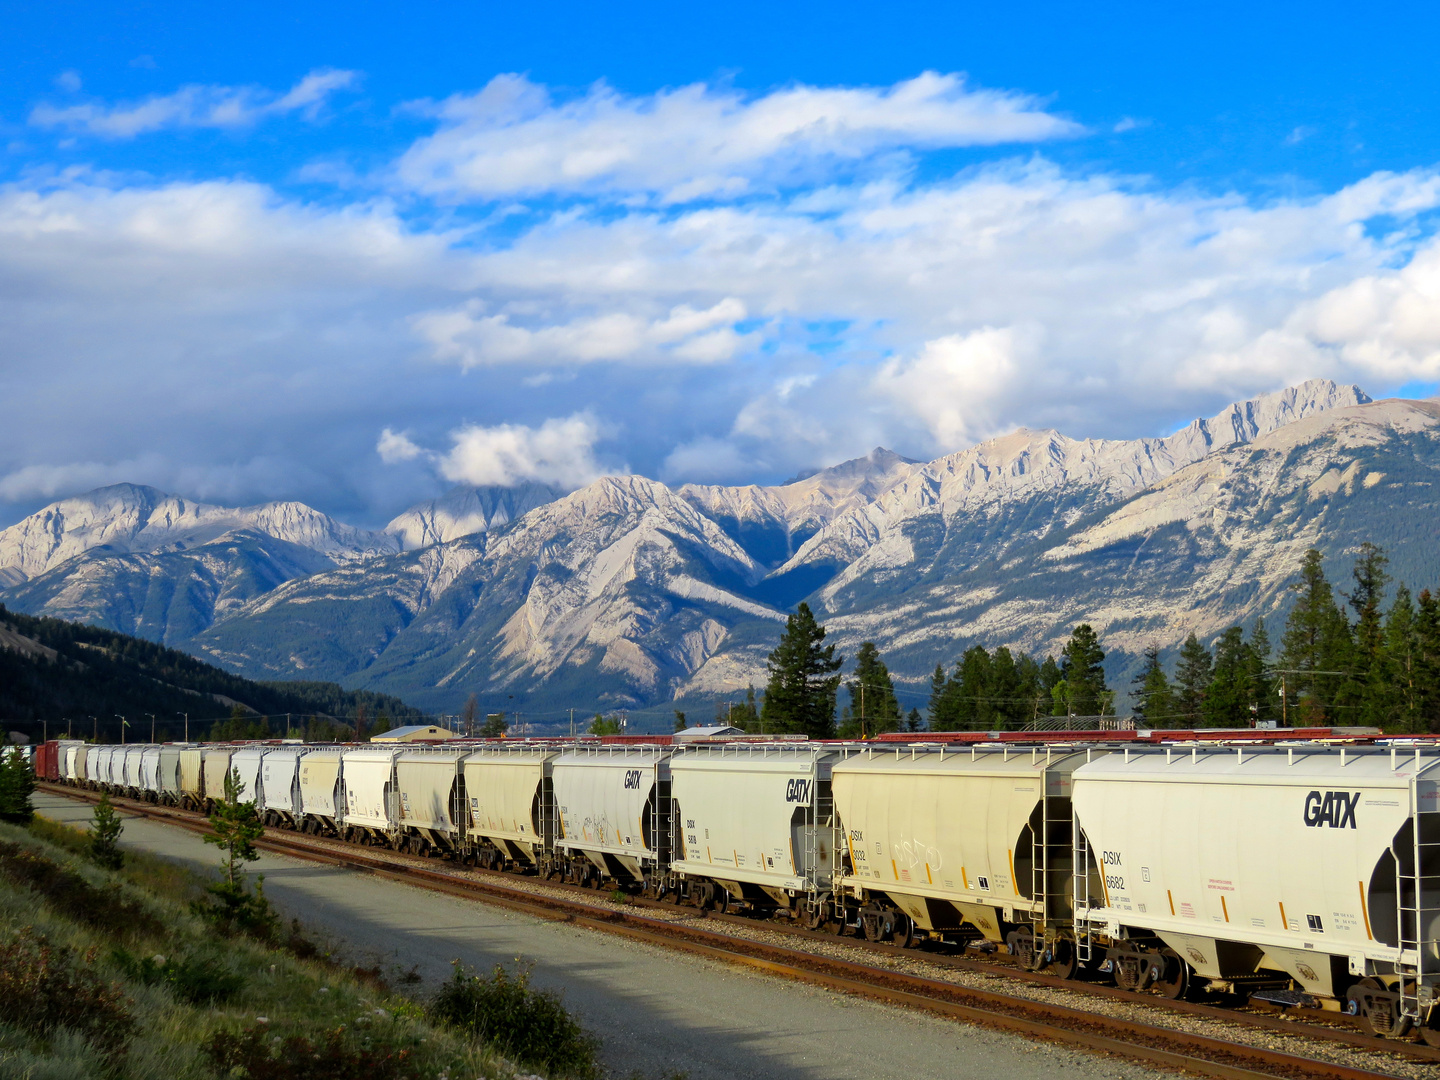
69	728
572	721
862	712
122	728
187	724
287	725
44	731
152	725
96	737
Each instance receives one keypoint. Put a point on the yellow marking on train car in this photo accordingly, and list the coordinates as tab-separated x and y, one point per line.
1284	922
1172	901
1014	881
965	878
1104	889
708	857
736	856
1365	911
928	878
894	870
1224	907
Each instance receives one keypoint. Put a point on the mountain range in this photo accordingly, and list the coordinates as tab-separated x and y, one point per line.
629	592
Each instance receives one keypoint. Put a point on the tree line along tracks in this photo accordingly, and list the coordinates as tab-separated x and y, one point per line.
1152	1044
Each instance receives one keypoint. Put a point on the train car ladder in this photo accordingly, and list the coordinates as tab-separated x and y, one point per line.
1417	894
1045	891
1080	875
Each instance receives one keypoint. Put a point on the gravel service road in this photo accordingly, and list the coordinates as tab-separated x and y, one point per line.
656	1012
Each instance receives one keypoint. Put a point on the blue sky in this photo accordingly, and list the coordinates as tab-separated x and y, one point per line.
352	254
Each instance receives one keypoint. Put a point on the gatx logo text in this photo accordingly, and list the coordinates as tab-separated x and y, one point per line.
1333	808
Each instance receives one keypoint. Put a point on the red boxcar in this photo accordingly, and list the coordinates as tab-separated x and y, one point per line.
47	760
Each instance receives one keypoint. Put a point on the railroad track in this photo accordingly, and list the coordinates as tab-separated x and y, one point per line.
1153	1044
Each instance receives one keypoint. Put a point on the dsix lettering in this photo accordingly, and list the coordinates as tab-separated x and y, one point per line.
798	791
632	779
1333	808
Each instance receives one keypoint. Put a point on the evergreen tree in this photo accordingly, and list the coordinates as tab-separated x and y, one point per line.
914	721
873	707
1083	673
1028	677
1260	679
1192	681
1395	702
605	725
1045	698
1154	700
235	825
104	836
939	712
679	721
17	784
745	715
495	726
1007	700
973	708
804	678
1316	644
1427	662
1227	700
1365	690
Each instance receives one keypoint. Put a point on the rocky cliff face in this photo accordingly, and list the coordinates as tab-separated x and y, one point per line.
628	592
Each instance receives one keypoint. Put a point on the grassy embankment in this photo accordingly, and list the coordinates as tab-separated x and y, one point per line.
114	976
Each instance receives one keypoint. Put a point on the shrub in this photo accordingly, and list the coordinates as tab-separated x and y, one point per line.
258	1054
105	830
198	980
71	895
44	987
532	1027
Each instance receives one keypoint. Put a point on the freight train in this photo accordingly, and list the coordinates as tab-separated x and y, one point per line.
1302	866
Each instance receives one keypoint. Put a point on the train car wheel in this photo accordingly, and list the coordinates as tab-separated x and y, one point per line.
1375	1008
1173	981
906	933
1064	963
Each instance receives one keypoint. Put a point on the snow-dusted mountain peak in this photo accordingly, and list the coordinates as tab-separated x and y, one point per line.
133	518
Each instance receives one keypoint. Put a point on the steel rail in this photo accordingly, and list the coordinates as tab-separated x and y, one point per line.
1200	1054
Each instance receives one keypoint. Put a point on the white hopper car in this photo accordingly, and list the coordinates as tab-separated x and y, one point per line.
753	823
510	819
322	799
1309	865
613	806
431	800
964	843
280	785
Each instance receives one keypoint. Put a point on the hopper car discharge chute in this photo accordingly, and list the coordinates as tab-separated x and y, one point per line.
1242	868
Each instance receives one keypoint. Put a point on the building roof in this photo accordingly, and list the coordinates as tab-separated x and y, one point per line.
414	733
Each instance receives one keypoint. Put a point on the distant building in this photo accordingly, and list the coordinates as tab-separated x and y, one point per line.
715	731
414	733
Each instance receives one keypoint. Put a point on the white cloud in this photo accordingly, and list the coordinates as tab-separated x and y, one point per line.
195	106
959	384
700	142
471	338
395	447
559	452
69	81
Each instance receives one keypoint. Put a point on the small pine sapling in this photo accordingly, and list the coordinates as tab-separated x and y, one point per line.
105	830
